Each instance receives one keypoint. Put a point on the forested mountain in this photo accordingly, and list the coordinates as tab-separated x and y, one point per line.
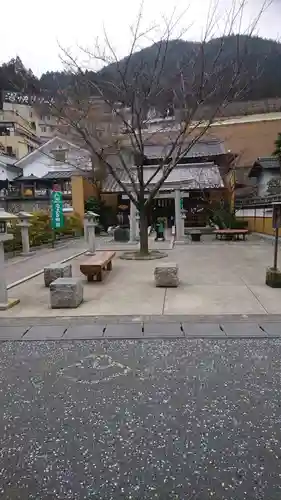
261	77
14	76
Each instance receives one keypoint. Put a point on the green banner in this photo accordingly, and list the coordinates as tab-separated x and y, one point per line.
56	210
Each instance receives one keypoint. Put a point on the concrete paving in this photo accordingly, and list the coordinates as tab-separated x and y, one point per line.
184	419
141	330
215	279
18	268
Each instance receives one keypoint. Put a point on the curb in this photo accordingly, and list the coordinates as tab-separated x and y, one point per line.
132	319
37	273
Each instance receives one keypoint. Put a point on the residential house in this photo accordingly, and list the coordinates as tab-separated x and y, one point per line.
18	134
8	171
56	162
47	126
263	170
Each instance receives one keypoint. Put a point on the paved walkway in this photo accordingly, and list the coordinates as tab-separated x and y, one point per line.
181	419
215	279
20	267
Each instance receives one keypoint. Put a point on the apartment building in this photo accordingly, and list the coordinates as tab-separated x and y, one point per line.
18	127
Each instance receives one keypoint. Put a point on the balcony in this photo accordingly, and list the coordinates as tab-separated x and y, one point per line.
29	193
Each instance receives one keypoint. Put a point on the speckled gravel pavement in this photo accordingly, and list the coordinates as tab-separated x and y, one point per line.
194	419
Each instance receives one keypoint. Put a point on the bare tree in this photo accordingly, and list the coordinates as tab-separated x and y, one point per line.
94	108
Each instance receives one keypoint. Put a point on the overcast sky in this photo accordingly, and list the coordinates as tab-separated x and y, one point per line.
35	31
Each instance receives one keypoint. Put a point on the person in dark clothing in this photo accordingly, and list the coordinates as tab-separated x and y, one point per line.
159	228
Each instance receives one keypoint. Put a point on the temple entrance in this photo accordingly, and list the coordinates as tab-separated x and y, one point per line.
195	208
164	208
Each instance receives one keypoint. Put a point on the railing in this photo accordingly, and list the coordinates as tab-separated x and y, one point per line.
37	194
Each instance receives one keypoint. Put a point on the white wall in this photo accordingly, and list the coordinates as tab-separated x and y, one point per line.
39	164
6	174
251	212
265	176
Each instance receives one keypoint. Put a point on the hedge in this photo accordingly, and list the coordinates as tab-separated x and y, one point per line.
40	231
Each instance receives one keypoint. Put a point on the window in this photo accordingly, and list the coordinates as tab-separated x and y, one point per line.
30	114
9	150
43	129
59	155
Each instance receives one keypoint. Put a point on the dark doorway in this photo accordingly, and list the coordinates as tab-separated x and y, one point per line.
164	208
195	207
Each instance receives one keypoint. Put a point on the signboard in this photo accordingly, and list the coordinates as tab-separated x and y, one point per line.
181	203
57	210
29	99
276	216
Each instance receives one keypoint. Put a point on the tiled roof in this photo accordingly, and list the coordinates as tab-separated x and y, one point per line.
194	176
109	185
200	148
270	162
26	178
59	174
266	163
8	160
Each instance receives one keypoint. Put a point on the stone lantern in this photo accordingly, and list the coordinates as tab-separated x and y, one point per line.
92	221
5	303
24	225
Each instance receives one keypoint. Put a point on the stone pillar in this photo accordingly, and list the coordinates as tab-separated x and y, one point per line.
5	302
86	221
133	222
178	218
91	238
3	285
24	227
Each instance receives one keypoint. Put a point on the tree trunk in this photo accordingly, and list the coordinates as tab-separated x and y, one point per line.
143	231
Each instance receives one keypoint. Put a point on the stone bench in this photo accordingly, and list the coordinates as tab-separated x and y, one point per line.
66	293
166	275
55	271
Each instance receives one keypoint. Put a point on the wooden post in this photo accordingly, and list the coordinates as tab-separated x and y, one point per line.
276	248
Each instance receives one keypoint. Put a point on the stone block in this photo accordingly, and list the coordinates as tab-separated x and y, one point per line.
121	234
166	275
203	330
44	332
241	329
124	330
163	329
66	293
55	271
273	277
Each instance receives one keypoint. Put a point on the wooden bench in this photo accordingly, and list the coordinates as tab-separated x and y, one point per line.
231	234
95	265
